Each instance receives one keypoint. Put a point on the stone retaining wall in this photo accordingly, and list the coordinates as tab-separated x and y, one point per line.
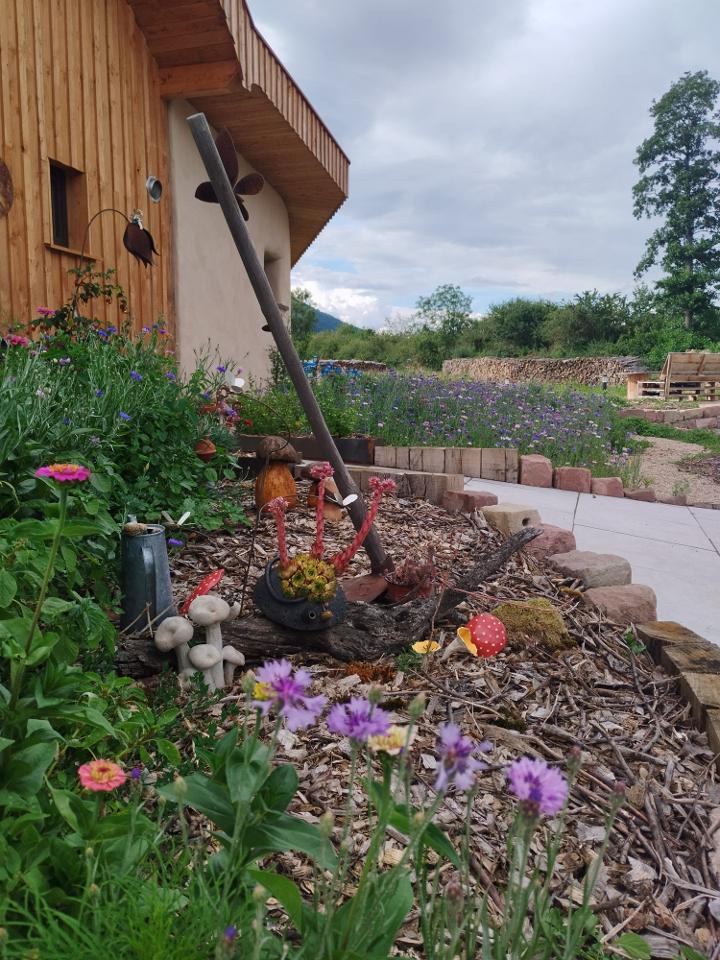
686	418
586	370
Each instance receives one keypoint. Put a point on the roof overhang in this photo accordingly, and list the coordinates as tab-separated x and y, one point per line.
210	52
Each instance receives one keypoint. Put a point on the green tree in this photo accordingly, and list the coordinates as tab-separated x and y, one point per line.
302	318
589	318
515	326
679	181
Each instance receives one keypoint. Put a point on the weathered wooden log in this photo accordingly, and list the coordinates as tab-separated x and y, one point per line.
369	631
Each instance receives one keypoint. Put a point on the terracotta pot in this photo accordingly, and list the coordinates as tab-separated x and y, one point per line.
400	592
205	449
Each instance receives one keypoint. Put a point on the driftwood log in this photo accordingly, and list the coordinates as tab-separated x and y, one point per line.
368	632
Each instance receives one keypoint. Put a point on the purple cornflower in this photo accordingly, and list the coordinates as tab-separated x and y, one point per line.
458	765
221	369
101	333
279	687
99	393
175	543
111	329
45	312
358	720
64	361
124	416
66	421
134	375
170	375
95	441
136	773
146	329
230	934
540	787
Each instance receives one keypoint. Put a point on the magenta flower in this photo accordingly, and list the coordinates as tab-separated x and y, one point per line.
64	472
279	687
458	763
540	787
45	312
358	720
15	340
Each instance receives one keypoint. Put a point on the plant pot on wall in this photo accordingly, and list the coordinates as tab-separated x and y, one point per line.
205	449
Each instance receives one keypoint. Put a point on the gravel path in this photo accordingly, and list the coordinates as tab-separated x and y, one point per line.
659	465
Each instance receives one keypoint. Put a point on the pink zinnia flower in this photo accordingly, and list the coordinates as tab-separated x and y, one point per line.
64	472
15	340
101	775
540	787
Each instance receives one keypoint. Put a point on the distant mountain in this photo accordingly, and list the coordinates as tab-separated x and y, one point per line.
325	321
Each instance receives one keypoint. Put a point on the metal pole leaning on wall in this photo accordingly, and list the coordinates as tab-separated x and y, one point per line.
224	192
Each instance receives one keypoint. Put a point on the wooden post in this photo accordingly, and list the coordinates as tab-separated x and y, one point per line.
224	192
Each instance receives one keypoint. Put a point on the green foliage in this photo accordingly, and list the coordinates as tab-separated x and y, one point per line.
302	318
644	428
516	326
679	165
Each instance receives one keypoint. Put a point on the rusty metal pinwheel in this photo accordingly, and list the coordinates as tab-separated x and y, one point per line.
247	186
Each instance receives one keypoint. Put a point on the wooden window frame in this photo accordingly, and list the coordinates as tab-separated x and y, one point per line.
68	208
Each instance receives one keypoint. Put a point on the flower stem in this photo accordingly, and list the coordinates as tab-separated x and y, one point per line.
16	684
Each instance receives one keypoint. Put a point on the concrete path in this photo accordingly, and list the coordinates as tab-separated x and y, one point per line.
674	550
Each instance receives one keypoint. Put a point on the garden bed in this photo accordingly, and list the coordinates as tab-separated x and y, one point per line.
624	712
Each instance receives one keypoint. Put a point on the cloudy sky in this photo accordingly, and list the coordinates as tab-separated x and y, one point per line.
491	141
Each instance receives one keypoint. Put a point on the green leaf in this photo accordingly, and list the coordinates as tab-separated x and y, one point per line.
168	750
279	833
8	588
81	528
401	818
210	799
54	606
634	946
279	788
24	771
100	483
284	890
4	742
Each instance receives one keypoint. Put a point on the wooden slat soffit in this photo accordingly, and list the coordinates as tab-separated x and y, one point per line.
210	52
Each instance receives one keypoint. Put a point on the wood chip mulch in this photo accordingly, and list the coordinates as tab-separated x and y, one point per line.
661	874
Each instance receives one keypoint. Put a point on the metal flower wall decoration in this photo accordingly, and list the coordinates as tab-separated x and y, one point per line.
247	186
138	241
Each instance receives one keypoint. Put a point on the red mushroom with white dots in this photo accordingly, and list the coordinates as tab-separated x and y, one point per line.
484	635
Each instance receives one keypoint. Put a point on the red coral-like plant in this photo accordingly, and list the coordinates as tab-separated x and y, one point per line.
277	508
379	487
320	472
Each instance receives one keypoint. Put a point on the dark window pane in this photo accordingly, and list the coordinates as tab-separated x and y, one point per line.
58	196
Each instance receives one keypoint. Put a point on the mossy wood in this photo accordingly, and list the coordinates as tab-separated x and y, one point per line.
368	632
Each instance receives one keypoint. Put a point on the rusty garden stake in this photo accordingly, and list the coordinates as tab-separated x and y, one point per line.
228	202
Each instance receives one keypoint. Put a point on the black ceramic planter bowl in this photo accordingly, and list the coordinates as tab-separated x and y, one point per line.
295	614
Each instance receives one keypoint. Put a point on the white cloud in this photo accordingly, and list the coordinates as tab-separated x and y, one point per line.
491	143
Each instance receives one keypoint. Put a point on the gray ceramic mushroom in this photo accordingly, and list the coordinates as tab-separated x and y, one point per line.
175	633
207	658
232	658
209	611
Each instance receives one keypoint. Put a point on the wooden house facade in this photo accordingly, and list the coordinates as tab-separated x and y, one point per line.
93	100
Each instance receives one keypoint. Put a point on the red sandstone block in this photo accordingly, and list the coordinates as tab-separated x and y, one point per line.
477	499
646	494
453	501
607	487
633	603
679	500
552	540
535	470
467	501
712	410
705	423
578	479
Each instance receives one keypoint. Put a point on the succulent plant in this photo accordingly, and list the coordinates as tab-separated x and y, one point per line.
308	578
